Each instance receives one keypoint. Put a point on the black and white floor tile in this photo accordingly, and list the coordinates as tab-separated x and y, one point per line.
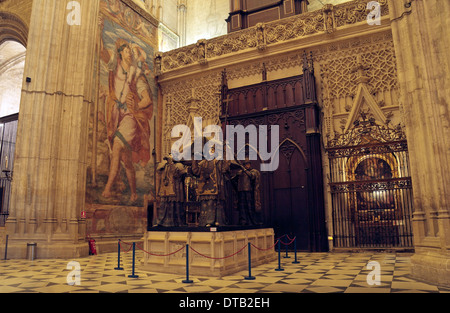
316	273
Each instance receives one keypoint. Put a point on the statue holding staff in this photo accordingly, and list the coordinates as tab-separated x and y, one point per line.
171	211
249	198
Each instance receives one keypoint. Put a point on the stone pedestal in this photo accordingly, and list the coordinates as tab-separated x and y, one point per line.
213	254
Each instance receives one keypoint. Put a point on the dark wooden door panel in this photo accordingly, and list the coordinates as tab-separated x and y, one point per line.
292	204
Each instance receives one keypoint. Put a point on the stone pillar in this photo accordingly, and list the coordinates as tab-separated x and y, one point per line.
48	189
422	42
182	8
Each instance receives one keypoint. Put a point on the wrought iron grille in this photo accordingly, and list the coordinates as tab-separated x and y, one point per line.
371	192
8	134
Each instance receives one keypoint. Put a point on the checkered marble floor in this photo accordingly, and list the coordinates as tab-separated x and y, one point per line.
316	273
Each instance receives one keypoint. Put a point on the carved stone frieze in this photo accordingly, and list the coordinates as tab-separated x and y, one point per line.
263	35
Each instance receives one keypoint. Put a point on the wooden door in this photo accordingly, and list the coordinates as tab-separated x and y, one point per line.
288	212
292	196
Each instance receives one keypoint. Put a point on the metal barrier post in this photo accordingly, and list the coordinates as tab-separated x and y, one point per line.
6	247
118	268
279	257
287	256
249	277
187	280
295	251
134	258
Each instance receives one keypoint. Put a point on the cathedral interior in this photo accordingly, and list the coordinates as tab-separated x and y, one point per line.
349	98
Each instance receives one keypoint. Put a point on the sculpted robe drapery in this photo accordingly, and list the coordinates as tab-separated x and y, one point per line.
211	190
249	197
171	194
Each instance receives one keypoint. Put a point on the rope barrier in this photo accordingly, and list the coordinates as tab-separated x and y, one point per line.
203	255
120	244
187	247
261	249
161	255
288	243
226	257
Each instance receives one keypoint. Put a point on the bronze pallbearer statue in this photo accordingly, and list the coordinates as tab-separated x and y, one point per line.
171	212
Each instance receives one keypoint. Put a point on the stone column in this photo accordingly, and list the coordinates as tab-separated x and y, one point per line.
422	43
48	190
181	10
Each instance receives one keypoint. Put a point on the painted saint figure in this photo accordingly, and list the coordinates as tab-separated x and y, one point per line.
129	108
171	211
211	190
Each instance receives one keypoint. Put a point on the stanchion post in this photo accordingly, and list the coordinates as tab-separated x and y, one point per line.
295	252
249	277
133	275
187	280
287	255
279	257
118	268
6	247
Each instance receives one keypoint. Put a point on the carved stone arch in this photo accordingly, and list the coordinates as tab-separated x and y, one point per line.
13	28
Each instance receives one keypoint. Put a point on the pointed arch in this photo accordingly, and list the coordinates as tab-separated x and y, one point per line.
288	140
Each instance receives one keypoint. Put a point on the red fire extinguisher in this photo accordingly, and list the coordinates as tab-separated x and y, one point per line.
92	247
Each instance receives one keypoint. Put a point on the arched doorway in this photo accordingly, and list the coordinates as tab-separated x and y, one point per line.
12	63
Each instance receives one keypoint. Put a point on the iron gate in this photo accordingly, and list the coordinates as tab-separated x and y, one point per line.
371	188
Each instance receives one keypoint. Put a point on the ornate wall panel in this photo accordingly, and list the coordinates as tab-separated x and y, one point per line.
197	95
340	67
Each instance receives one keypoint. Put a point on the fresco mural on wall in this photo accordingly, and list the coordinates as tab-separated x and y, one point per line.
121	170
